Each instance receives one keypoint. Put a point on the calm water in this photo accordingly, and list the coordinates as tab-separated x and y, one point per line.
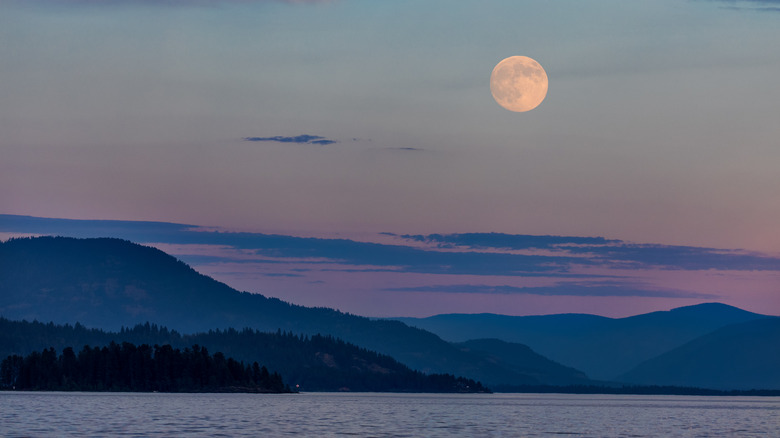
54	414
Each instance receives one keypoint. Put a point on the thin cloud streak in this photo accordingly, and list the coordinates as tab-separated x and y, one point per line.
609	252
572	289
751	5
299	139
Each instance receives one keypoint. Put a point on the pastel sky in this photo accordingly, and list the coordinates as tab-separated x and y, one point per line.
347	118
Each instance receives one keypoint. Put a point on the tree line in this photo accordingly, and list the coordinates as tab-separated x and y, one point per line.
307	362
143	368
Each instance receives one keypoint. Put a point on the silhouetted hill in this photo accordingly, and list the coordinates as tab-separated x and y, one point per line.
522	359
739	356
316	363
111	283
604	348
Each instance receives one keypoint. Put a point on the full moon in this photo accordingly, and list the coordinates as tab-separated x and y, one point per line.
518	83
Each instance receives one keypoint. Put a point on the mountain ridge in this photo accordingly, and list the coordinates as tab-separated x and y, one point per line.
109	283
738	356
604	348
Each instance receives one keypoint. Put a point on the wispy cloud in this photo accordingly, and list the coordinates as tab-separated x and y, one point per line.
752	5
411	149
598	289
504	241
607	252
299	139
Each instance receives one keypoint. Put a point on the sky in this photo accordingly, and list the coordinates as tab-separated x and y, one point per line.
344	119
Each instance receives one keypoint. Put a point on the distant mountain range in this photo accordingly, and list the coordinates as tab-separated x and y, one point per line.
743	355
604	348
111	283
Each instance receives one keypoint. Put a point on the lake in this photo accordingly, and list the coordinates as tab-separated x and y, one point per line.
63	414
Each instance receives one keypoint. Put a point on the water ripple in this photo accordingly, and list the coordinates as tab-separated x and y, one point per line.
52	414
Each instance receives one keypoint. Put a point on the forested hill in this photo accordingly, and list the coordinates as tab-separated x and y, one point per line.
309	363
110	283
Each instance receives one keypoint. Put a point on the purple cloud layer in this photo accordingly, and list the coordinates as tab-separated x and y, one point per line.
561	289
299	139
514	264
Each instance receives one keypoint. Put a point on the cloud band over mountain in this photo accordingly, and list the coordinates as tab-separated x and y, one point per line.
456	264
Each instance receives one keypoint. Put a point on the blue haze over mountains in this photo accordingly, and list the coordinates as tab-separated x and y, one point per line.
745	355
604	348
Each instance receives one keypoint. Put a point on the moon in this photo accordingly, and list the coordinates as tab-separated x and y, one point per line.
518	83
